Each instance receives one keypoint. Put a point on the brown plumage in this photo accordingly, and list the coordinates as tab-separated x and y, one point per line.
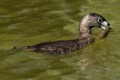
65	46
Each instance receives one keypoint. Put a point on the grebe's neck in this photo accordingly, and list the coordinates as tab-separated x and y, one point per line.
85	34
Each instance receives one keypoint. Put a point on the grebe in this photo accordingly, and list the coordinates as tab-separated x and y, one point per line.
65	46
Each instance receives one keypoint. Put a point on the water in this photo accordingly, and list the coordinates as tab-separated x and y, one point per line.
27	22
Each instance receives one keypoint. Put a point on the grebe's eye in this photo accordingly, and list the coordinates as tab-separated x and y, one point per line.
100	20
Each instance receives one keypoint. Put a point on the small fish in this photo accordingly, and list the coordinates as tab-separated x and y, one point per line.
105	32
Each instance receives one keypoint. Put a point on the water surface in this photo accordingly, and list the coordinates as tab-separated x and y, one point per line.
28	22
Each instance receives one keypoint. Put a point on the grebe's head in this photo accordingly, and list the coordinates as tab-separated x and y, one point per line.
93	20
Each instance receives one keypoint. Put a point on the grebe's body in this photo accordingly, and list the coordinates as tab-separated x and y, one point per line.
59	47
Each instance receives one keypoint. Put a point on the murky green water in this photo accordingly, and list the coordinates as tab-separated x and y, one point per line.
27	22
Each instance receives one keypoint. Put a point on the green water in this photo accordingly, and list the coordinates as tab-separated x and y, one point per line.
27	22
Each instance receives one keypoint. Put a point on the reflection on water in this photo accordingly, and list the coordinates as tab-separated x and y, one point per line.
27	22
